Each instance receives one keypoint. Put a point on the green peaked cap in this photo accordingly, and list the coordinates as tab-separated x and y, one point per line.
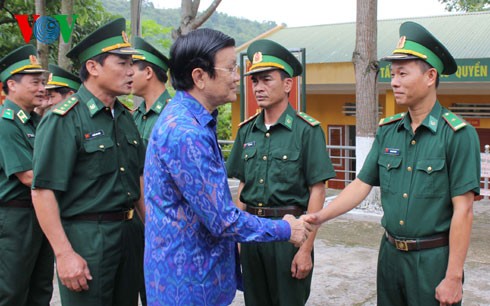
59	77
268	55
110	38
418	43
149	53
20	60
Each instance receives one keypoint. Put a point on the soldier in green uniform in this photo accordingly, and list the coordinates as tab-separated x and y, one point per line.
282	163
149	82
88	177
61	84
26	259
427	163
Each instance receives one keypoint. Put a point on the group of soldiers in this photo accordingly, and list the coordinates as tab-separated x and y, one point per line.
71	182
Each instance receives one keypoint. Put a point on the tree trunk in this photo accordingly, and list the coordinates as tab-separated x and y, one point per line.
63	48
188	16
135	18
366	70
42	49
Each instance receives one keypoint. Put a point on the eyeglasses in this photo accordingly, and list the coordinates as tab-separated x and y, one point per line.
230	70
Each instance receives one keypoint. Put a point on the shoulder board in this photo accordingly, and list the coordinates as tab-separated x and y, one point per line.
8	113
391	119
310	120
64	107
454	121
249	119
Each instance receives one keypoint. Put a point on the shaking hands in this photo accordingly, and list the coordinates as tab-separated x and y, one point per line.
300	230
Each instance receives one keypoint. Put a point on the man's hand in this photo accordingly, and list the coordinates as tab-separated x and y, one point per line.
299	230
302	264
73	271
313	218
449	291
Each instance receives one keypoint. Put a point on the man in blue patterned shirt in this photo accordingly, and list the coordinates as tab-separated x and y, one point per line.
192	225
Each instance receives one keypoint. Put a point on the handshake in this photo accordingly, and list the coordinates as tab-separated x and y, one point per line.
300	228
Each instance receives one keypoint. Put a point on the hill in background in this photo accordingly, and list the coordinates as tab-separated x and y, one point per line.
242	30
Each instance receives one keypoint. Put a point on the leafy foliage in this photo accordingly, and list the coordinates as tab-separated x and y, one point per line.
466	5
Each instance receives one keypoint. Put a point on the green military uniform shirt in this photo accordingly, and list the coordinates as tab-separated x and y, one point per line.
92	160
145	120
17	134
278	165
420	173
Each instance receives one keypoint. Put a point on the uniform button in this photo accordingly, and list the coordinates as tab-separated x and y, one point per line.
260	204
261	181
264	157
405	195
284	157
144	117
267	135
135	142
388	166
429	168
107	109
402	222
413	142
101	146
118	144
409	169
122	169
129	194
246	156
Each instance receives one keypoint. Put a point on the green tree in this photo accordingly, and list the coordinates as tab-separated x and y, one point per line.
466	5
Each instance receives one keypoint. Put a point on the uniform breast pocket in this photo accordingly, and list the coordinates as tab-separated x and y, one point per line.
134	153
100	156
285	165
431	180
388	168
249	157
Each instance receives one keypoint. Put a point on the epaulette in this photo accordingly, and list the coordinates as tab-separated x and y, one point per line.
8	113
310	120
391	119
249	119
454	121
64	107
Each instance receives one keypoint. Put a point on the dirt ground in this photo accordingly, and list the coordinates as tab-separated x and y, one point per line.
346	252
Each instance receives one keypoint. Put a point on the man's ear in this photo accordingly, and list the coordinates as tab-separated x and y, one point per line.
288	84
92	67
148	72
431	76
12	84
199	78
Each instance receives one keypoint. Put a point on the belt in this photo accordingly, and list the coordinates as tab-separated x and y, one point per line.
17	203
418	244
275	211
107	216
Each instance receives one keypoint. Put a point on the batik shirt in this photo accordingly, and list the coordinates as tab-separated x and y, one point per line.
192	225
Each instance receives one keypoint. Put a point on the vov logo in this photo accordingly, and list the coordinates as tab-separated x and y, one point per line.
46	29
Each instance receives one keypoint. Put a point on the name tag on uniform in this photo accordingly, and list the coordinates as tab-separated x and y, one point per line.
98	133
30	136
392	151
249	144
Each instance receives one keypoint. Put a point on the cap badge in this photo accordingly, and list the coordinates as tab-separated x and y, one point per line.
401	42
257	57
33	60
125	37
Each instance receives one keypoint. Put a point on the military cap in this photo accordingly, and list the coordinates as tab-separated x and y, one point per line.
148	53
59	77
110	38
268	55
418	43
20	60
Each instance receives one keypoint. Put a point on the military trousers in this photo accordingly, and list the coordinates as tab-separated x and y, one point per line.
113	251
410	278
26	259
267	279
